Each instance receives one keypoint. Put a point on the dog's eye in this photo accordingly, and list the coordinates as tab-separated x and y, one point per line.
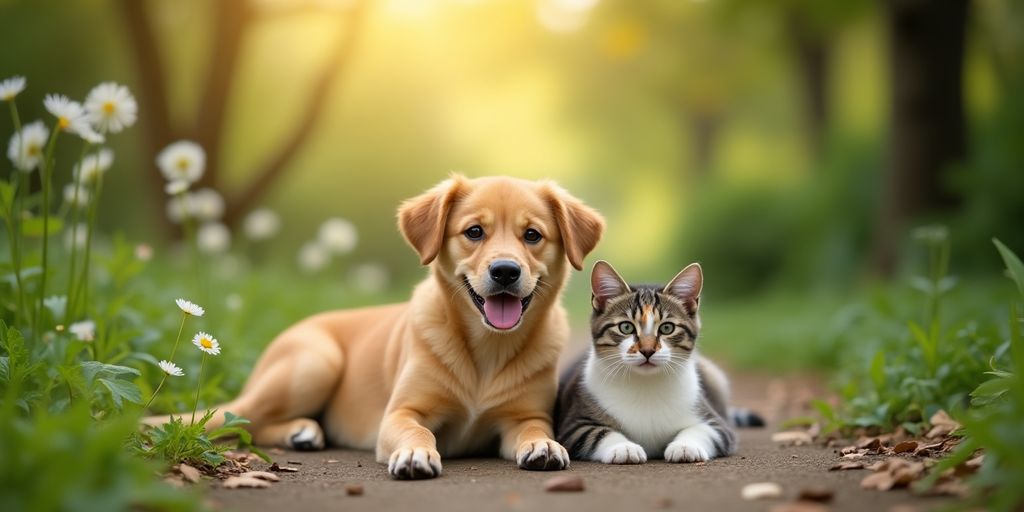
532	236
626	327
666	328
474	233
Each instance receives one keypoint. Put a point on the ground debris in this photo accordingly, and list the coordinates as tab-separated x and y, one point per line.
792	437
842	466
942	425
819	494
761	491
237	482
799	506
354	489
283	469
190	473
564	483
262	475
905	446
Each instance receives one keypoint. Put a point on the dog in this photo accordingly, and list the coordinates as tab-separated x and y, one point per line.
466	366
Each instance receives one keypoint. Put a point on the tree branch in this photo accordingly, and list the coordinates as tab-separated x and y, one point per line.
231	21
336	68
154	112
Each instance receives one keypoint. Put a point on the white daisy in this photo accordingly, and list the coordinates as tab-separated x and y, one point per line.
371	277
88	134
84	330
313	256
26	147
176	187
182	160
70	114
76	236
190	308
80	200
93	165
170	368
111	107
205	204
213	238
10	87
261	224
338	235
206	343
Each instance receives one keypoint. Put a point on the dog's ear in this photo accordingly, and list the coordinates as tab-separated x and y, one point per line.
686	285
605	284
581	225
422	219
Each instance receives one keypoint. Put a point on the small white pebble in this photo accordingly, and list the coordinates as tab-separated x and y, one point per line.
761	491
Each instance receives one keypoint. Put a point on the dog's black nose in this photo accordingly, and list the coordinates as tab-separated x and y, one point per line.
504	272
647	352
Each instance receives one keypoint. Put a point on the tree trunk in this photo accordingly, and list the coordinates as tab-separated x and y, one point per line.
927	128
811	52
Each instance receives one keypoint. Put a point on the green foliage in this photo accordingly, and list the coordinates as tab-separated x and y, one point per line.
180	442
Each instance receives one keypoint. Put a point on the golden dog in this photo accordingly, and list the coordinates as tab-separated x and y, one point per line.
466	366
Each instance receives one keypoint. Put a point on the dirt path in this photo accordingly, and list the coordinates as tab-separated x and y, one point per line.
492	484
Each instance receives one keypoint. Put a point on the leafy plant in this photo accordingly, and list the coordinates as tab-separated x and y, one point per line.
177	441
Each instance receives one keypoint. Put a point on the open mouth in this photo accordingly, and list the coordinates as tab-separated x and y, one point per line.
502	311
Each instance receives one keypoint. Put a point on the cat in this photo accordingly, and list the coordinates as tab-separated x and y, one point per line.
642	391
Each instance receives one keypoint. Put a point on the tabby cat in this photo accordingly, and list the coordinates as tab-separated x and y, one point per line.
643	391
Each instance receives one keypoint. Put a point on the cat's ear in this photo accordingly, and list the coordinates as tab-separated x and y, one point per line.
687	284
422	219
605	284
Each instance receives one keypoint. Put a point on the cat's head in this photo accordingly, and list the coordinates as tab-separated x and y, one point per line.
646	329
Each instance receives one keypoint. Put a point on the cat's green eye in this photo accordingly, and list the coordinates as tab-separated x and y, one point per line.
666	328
626	327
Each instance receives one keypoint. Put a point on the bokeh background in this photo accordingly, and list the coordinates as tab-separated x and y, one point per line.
790	146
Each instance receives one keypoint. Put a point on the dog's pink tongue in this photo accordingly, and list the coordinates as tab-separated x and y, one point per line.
503	311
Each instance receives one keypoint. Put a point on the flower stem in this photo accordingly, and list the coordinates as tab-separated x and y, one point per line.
69	310
155	391
176	340
83	292
14	224
47	177
199	386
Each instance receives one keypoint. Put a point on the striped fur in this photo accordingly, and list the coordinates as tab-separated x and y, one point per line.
642	391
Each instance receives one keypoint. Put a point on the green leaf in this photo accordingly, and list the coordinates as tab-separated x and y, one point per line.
34	227
877	370
230	420
927	345
122	390
1013	264
991	390
90	369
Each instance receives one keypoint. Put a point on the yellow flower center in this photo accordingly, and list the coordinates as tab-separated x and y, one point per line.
63	123
32	150
206	343
183	164
108	108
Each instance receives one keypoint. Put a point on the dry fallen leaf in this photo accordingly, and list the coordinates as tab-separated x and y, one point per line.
761	491
855	455
847	465
564	483
262	475
870	444
881	481
905	446
942	425
283	469
190	473
799	506
819	494
792	437
237	482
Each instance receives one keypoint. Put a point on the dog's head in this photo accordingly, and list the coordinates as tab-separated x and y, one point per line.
502	243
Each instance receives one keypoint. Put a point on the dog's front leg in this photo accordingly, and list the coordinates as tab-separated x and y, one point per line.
409	448
530	442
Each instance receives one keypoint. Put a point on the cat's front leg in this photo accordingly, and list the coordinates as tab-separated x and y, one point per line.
697	443
615	448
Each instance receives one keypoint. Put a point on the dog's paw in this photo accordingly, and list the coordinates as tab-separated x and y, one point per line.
414	464
306	435
681	451
545	455
623	453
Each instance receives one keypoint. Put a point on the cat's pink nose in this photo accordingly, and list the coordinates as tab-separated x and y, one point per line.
647	352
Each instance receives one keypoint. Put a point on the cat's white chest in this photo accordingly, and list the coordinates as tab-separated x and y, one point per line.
651	409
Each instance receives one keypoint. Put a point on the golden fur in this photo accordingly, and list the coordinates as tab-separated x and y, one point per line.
429	377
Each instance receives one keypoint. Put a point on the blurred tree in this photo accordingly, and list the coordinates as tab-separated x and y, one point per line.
926	121
232	20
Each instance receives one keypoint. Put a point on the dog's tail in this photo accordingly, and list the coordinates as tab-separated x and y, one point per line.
745	418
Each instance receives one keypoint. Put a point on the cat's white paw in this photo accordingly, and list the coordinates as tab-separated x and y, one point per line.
626	452
682	451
